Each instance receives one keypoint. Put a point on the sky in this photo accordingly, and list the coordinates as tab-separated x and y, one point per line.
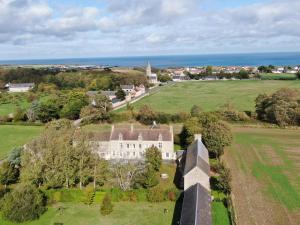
33	29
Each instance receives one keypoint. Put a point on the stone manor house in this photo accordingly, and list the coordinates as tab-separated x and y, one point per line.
129	142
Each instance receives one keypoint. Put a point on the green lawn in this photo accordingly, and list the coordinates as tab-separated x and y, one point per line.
125	213
220	214
265	164
211	95
16	135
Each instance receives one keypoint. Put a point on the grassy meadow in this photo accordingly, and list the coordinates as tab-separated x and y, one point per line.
211	95
16	135
265	166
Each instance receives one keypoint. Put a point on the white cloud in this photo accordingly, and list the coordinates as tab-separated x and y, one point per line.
144	26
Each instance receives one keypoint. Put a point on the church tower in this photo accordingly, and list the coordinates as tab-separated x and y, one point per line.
148	70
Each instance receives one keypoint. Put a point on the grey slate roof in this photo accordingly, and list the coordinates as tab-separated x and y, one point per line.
127	86
133	132
196	208
197	156
22	85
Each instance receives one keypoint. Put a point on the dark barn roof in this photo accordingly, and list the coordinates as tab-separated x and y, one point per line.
196	208
197	156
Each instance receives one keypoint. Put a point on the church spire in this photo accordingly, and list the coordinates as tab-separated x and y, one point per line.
148	70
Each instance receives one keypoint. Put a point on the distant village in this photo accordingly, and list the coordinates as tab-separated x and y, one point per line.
133	93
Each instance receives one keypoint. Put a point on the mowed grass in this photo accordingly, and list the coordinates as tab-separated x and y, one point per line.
125	213
16	135
211	95
266	166
219	214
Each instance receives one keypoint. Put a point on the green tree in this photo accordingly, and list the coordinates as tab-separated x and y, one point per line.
22	204
196	111
9	174
146	115
120	94
164	78
153	158
282	107
76	101
190	128
243	74
102	102
149	177
216	136
106	206
48	109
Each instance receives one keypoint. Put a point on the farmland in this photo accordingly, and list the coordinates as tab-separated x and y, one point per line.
265	165
211	95
14	135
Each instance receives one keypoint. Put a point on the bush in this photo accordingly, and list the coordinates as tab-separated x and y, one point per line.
24	203
88	195
172	194
156	194
107	206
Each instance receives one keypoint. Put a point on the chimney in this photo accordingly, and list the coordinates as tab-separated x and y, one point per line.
112	128
198	137
131	127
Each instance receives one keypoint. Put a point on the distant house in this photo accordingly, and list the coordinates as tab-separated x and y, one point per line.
24	87
129	142
196	207
128	89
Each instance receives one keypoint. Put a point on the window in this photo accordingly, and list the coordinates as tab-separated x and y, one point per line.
160	145
128	145
167	155
114	153
141	154
133	145
121	145
133	153
140	145
128	153
120	137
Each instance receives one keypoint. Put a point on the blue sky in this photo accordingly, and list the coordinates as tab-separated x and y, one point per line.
98	28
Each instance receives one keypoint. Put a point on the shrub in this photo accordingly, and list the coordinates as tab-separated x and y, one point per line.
107	206
172	194
156	194
24	203
88	195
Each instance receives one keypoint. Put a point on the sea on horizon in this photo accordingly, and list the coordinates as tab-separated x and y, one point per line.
247	59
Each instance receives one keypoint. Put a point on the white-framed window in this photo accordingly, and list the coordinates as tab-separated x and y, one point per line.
167	154
133	153
140	145
128	153
128	145
133	145
121	145
160	145
114	153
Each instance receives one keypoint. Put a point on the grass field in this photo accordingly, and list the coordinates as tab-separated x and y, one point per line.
125	213
16	135
211	95
265	164
280	76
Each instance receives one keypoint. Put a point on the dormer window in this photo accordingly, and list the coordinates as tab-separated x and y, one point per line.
140	137
120	137
160	137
